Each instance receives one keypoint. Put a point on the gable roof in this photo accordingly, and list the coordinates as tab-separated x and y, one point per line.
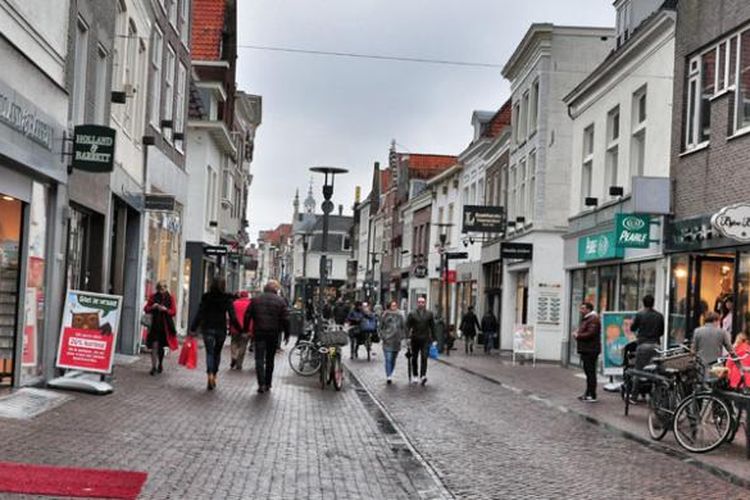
207	29
499	121
425	166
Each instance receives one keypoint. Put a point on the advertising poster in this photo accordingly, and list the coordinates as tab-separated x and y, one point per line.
615	336
523	339
89	331
29	357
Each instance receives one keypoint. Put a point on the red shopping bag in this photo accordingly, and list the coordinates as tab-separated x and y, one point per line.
172	342
189	354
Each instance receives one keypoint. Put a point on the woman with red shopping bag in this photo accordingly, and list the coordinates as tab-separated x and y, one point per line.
189	354
162	332
215	307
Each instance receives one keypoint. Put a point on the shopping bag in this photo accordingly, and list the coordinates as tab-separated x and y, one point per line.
172	341
189	354
433	351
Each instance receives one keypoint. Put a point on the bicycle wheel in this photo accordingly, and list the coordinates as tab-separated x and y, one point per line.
338	373
658	418
304	359
702	422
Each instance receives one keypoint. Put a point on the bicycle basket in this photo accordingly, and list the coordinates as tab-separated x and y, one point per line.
334	337
680	362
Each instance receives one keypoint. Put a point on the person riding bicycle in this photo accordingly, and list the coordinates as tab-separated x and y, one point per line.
648	326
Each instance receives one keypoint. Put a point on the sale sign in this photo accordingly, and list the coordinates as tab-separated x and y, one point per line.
29	355
89	331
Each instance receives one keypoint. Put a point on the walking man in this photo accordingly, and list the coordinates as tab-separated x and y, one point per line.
469	326
588	338
489	329
270	317
238	345
420	326
648	326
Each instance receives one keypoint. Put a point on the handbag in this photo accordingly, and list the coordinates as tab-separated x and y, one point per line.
433	353
146	320
189	354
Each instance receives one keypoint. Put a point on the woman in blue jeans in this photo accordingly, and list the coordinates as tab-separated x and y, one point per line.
215	307
392	332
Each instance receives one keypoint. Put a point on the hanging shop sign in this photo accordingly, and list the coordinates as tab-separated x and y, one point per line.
483	219
159	203
456	255
632	230
598	246
94	148
616	335
733	222
215	250
522	251
420	271
88	333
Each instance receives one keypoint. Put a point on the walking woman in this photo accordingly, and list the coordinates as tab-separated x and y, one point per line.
214	308
392	333
489	329
162	309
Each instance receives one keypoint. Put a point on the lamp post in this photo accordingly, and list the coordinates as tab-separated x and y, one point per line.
305	245
327	206
443	292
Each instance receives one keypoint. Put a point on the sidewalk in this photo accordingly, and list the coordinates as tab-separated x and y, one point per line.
558	387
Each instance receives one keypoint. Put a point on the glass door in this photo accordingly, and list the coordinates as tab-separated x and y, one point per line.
11	222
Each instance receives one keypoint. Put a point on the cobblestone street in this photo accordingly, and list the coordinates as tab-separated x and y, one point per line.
486	441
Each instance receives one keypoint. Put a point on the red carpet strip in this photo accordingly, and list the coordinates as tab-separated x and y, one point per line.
33	479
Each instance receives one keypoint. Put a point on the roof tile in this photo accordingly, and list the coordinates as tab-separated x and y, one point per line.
208	24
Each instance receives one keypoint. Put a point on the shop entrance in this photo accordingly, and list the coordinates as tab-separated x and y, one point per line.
11	222
701	283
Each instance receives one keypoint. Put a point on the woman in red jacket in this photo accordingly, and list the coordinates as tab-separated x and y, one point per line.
161	307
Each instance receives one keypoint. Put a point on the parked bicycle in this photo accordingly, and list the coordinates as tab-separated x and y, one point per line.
332	367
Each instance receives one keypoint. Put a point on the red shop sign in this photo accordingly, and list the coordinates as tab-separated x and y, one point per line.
449	276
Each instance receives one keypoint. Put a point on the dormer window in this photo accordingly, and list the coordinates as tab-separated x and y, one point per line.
623	22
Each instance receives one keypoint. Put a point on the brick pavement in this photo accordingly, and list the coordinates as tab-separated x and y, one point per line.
296	442
487	441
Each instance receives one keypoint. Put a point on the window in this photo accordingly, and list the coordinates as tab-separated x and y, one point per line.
530	210
525	115
623	22
449	231
173	13
613	125
610	169
466	196
588	141
743	82
179	115
473	195
516	119
130	75
185	15
347	243
169	92
521	191
637	153
480	192
512	193
588	162
701	86
211	181
102	95
79	72
533	107
157	53
440	215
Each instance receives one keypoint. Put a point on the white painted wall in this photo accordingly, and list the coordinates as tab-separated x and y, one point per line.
201	151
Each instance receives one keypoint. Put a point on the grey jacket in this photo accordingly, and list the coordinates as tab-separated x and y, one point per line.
392	330
708	341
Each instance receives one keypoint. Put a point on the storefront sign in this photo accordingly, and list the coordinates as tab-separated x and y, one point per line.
694	234
94	148
549	304
632	230
216	250
598	247
615	336
523	251
483	219
159	202
88	333
420	271
22	117
524	340
456	255
733	222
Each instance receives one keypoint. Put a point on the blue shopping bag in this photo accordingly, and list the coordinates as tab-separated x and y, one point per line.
433	351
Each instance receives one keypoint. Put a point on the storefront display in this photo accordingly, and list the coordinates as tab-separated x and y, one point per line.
11	218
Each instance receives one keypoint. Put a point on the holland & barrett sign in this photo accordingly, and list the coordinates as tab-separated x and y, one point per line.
632	230
94	148
599	246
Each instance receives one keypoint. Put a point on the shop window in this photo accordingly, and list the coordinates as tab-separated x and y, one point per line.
607	289
678	301
576	298
629	288
11	218
742	308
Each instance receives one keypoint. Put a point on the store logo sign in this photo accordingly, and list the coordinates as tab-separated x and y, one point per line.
733	222
94	148
599	246
24	119
632	231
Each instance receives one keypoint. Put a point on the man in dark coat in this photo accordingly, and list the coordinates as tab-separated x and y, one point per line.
648	326
588	339
469	326
270	317
420	327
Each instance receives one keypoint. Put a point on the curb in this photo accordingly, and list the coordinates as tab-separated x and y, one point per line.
403	444
653	445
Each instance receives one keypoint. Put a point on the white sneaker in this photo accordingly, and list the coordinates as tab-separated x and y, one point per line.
414	381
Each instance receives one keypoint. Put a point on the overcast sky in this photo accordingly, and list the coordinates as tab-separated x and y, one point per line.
322	110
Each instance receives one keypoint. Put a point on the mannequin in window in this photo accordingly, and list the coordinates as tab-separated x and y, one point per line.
727	314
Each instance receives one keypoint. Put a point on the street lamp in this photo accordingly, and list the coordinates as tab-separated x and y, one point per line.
328	172
305	246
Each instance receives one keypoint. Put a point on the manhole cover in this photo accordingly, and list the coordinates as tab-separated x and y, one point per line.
29	402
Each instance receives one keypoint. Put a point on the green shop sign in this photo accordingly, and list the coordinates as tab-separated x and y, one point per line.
632	231
598	247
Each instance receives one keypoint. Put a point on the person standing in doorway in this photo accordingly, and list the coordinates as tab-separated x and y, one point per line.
213	311
490	328
727	315
392	333
710	339
469	326
162	309
588	338
269	316
420	326
648	326
240	338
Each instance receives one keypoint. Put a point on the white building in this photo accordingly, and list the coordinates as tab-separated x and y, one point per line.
621	130
546	65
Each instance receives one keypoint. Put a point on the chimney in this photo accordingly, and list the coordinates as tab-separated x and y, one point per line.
341	209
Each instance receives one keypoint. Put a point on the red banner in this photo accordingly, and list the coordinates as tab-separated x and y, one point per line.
88	350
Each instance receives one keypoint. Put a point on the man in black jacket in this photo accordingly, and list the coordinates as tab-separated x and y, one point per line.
420	326
648	326
469	326
270	317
